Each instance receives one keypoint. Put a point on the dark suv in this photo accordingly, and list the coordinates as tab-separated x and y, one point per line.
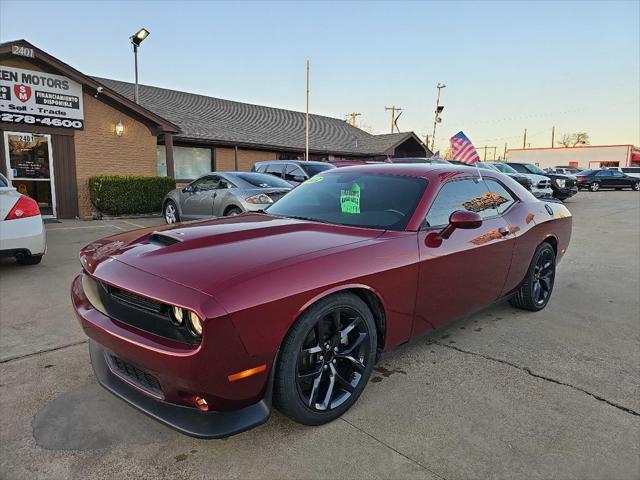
563	186
293	171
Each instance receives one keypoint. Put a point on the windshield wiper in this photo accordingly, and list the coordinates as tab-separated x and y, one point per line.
307	219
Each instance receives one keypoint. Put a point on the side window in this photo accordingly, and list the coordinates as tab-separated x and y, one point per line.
261	168
503	198
293	171
205	184
487	198
603	173
617	173
274	169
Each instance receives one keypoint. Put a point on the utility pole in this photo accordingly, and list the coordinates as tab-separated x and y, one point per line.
393	110
436	118
553	135
505	151
524	142
353	116
306	149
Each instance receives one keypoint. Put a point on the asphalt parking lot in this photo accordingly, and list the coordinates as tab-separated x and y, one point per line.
501	394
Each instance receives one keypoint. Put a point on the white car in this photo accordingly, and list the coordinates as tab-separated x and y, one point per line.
22	233
631	171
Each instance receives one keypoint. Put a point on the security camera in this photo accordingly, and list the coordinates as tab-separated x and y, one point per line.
98	91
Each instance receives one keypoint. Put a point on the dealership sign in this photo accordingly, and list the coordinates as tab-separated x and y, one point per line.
37	98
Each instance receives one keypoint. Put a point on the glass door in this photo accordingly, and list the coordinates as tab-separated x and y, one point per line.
30	168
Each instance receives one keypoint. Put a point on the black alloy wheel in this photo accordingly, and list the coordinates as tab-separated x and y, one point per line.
326	360
535	291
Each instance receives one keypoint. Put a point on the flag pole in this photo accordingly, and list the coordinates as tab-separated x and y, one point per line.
479	173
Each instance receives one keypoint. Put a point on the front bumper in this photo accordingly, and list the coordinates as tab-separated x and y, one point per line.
181	371
541	192
187	420
564	193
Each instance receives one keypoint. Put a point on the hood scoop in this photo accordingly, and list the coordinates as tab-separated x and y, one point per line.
163	239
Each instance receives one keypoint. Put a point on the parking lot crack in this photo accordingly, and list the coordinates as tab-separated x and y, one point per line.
530	372
393	449
46	350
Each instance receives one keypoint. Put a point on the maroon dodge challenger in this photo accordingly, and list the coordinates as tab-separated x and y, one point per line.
204	326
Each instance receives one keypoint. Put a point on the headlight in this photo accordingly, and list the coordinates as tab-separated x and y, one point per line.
177	315
195	325
561	182
260	198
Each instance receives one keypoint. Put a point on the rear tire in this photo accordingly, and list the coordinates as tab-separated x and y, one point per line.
536	288
636	186
326	360
594	187
29	260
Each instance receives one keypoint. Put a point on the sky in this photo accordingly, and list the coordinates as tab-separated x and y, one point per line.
507	65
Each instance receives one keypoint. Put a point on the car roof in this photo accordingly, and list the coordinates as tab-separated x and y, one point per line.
422	170
297	162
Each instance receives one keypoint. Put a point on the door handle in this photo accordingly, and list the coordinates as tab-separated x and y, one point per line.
504	231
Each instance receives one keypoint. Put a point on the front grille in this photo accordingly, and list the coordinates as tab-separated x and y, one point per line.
570	182
135	375
135	301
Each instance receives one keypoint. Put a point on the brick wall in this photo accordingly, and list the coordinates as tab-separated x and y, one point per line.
225	158
99	151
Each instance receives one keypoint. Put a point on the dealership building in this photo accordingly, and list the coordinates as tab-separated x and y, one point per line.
583	157
59	127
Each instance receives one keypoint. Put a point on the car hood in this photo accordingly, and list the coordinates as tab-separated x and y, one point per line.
209	255
534	177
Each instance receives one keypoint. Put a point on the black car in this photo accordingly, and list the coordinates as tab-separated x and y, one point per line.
598	179
507	170
293	171
563	186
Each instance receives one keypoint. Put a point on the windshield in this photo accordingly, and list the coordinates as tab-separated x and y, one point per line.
487	166
262	180
354	198
313	169
533	169
504	168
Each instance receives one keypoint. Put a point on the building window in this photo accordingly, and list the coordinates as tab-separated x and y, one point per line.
188	162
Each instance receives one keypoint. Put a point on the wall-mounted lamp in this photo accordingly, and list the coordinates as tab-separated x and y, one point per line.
119	129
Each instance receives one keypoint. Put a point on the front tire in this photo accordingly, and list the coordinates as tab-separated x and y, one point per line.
636	186
232	212
535	291
594	187
170	212
326	360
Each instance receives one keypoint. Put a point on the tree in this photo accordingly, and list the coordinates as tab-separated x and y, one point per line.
574	139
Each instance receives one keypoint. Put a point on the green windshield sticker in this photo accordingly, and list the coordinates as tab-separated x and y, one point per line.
315	179
350	199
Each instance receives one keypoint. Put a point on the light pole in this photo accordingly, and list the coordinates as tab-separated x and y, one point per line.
136	40
436	118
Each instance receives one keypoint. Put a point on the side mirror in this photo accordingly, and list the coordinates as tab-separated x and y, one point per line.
188	189
459	219
299	178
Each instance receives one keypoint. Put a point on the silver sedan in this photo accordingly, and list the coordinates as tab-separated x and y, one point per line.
223	194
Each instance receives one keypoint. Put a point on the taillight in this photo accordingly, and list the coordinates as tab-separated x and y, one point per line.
24	207
580	179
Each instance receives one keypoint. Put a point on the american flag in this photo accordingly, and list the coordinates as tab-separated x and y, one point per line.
463	150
